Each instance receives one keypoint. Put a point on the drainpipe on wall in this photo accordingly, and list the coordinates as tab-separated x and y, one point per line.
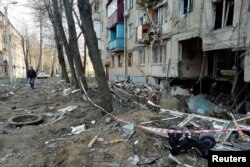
125	40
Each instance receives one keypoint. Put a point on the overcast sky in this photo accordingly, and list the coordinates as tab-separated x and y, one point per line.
19	15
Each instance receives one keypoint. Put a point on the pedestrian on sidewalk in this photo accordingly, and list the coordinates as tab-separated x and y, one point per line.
31	77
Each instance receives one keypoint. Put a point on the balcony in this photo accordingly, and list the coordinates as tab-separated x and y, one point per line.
116	17
141	34
116	45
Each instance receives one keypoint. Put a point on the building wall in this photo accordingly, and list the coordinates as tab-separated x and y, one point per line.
174	30
16	51
228	37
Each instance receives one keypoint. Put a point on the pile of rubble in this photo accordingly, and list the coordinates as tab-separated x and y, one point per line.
202	113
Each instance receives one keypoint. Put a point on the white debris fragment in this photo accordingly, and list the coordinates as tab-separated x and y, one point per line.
66	91
77	90
136	142
134	160
179	91
170	156
93	122
67	109
217	126
100	139
78	129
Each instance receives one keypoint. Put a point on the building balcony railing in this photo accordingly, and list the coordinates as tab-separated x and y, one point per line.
116	45
116	17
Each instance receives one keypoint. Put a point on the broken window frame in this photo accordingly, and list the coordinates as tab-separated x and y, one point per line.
159	54
225	13
141	54
189	8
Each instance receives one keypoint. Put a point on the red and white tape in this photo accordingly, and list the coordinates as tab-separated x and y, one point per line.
162	131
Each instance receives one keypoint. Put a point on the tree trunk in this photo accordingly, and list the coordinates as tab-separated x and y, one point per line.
59	25
25	47
85	58
60	56
94	53
73	45
53	64
59	44
41	45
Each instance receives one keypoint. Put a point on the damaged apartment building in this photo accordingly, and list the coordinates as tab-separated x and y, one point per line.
198	44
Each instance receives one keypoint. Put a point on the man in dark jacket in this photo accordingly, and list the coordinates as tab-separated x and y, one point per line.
31	77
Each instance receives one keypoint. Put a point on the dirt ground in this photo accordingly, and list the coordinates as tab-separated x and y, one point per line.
52	144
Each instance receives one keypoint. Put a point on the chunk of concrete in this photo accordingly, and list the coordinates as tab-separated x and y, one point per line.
108	120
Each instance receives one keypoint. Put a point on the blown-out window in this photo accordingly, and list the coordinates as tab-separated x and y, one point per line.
223	13
186	6
159	54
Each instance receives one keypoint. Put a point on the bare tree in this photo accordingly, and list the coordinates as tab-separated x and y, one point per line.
41	43
94	53
26	48
73	44
58	40
60	28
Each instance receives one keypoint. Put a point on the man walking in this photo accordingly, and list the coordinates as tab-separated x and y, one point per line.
31	77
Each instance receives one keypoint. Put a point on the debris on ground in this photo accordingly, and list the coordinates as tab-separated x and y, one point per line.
76	133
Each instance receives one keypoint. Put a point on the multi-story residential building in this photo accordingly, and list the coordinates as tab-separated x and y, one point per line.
174	39
200	44
19	70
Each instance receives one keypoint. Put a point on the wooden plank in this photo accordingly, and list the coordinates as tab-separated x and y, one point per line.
91	143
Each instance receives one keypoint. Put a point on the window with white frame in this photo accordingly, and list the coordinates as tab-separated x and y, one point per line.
162	14
141	57
130	30
186	6
129	4
159	54
112	7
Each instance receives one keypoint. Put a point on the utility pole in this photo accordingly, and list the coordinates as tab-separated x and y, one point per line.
125	39
10	66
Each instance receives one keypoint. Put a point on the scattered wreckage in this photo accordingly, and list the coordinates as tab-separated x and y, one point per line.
148	96
199	107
